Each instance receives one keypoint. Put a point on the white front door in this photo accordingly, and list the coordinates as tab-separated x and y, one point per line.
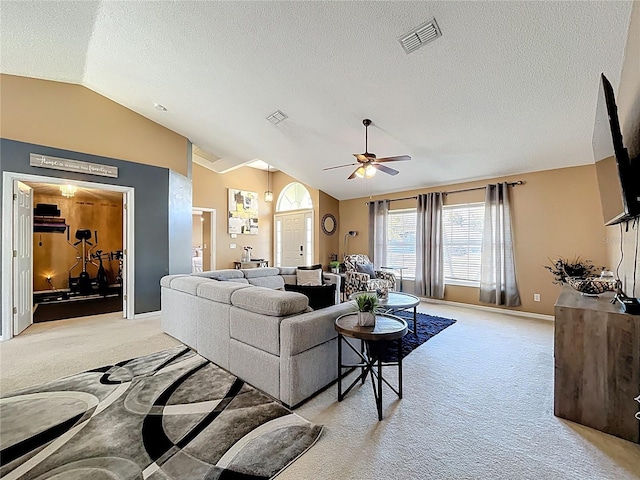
22	257
294	239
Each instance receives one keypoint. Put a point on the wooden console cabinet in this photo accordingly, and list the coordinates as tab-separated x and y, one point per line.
597	364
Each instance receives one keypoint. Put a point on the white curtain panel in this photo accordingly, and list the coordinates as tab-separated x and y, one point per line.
429	248
378	216
498	272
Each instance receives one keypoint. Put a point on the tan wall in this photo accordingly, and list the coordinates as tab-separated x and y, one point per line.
72	117
555	213
196	231
55	257
328	244
210	190
628	100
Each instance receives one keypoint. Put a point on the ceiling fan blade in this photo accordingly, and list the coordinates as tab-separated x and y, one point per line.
361	158
340	166
384	169
399	158
353	175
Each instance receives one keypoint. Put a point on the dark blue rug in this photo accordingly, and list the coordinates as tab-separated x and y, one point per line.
428	326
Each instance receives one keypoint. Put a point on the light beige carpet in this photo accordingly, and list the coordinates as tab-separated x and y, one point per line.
50	350
478	403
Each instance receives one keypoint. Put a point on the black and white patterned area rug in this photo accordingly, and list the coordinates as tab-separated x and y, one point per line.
165	416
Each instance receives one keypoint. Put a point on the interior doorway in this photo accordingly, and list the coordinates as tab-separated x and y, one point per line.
77	251
203	239
77	239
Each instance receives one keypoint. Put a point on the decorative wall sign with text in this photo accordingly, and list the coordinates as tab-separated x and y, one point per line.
243	212
68	165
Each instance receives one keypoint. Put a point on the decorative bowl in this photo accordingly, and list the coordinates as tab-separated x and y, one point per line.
589	286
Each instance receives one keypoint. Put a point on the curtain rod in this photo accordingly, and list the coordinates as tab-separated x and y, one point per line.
512	184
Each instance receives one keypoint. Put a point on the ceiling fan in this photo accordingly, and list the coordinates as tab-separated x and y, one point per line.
368	163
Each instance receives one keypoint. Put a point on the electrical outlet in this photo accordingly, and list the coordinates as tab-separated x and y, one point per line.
536	297
232	245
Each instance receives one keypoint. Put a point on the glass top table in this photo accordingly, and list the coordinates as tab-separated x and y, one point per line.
396	302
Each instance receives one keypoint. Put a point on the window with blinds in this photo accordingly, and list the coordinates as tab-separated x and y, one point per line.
401	240
462	239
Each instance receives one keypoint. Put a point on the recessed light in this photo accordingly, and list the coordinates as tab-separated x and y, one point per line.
160	107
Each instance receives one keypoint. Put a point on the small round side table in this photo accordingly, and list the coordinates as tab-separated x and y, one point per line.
387	328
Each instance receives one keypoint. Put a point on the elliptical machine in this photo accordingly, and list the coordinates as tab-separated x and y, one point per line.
101	278
83	284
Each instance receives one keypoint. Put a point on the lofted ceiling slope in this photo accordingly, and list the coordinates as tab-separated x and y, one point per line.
510	87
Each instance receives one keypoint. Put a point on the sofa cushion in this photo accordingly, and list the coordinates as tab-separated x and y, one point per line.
275	282
309	277
218	291
166	280
188	284
269	302
302	332
255	329
224	274
320	296
287	270
250	273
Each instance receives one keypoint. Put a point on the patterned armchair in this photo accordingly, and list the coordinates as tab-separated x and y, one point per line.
359	282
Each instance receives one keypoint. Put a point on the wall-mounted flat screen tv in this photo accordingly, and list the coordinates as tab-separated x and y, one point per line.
619	193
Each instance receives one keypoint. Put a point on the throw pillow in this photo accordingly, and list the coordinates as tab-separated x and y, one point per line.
319	296
317	266
366	268
309	277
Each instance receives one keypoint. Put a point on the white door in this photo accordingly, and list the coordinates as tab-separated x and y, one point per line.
22	257
294	239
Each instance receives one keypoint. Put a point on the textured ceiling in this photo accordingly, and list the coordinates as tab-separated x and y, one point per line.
510	87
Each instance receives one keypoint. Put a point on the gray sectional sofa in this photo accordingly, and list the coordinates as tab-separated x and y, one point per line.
244	322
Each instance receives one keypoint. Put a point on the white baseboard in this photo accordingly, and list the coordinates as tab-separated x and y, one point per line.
142	316
519	313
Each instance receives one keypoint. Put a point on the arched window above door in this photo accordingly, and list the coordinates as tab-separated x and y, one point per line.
294	197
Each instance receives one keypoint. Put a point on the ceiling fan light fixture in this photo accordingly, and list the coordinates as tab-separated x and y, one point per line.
366	172
369	171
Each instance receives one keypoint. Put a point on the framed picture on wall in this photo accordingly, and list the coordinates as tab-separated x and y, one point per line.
243	212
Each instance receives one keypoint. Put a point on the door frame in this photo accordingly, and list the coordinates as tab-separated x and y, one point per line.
214	232
286	213
8	280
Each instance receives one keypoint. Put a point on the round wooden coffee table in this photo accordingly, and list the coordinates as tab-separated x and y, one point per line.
396	302
387	328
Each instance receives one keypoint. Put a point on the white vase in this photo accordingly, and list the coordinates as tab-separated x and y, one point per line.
366	319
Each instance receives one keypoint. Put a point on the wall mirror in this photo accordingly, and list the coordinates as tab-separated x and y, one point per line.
329	224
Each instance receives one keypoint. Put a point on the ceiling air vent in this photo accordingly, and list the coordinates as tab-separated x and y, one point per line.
277	117
416	38
205	154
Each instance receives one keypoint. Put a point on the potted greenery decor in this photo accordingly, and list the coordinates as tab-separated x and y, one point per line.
335	267
367	303
562	268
